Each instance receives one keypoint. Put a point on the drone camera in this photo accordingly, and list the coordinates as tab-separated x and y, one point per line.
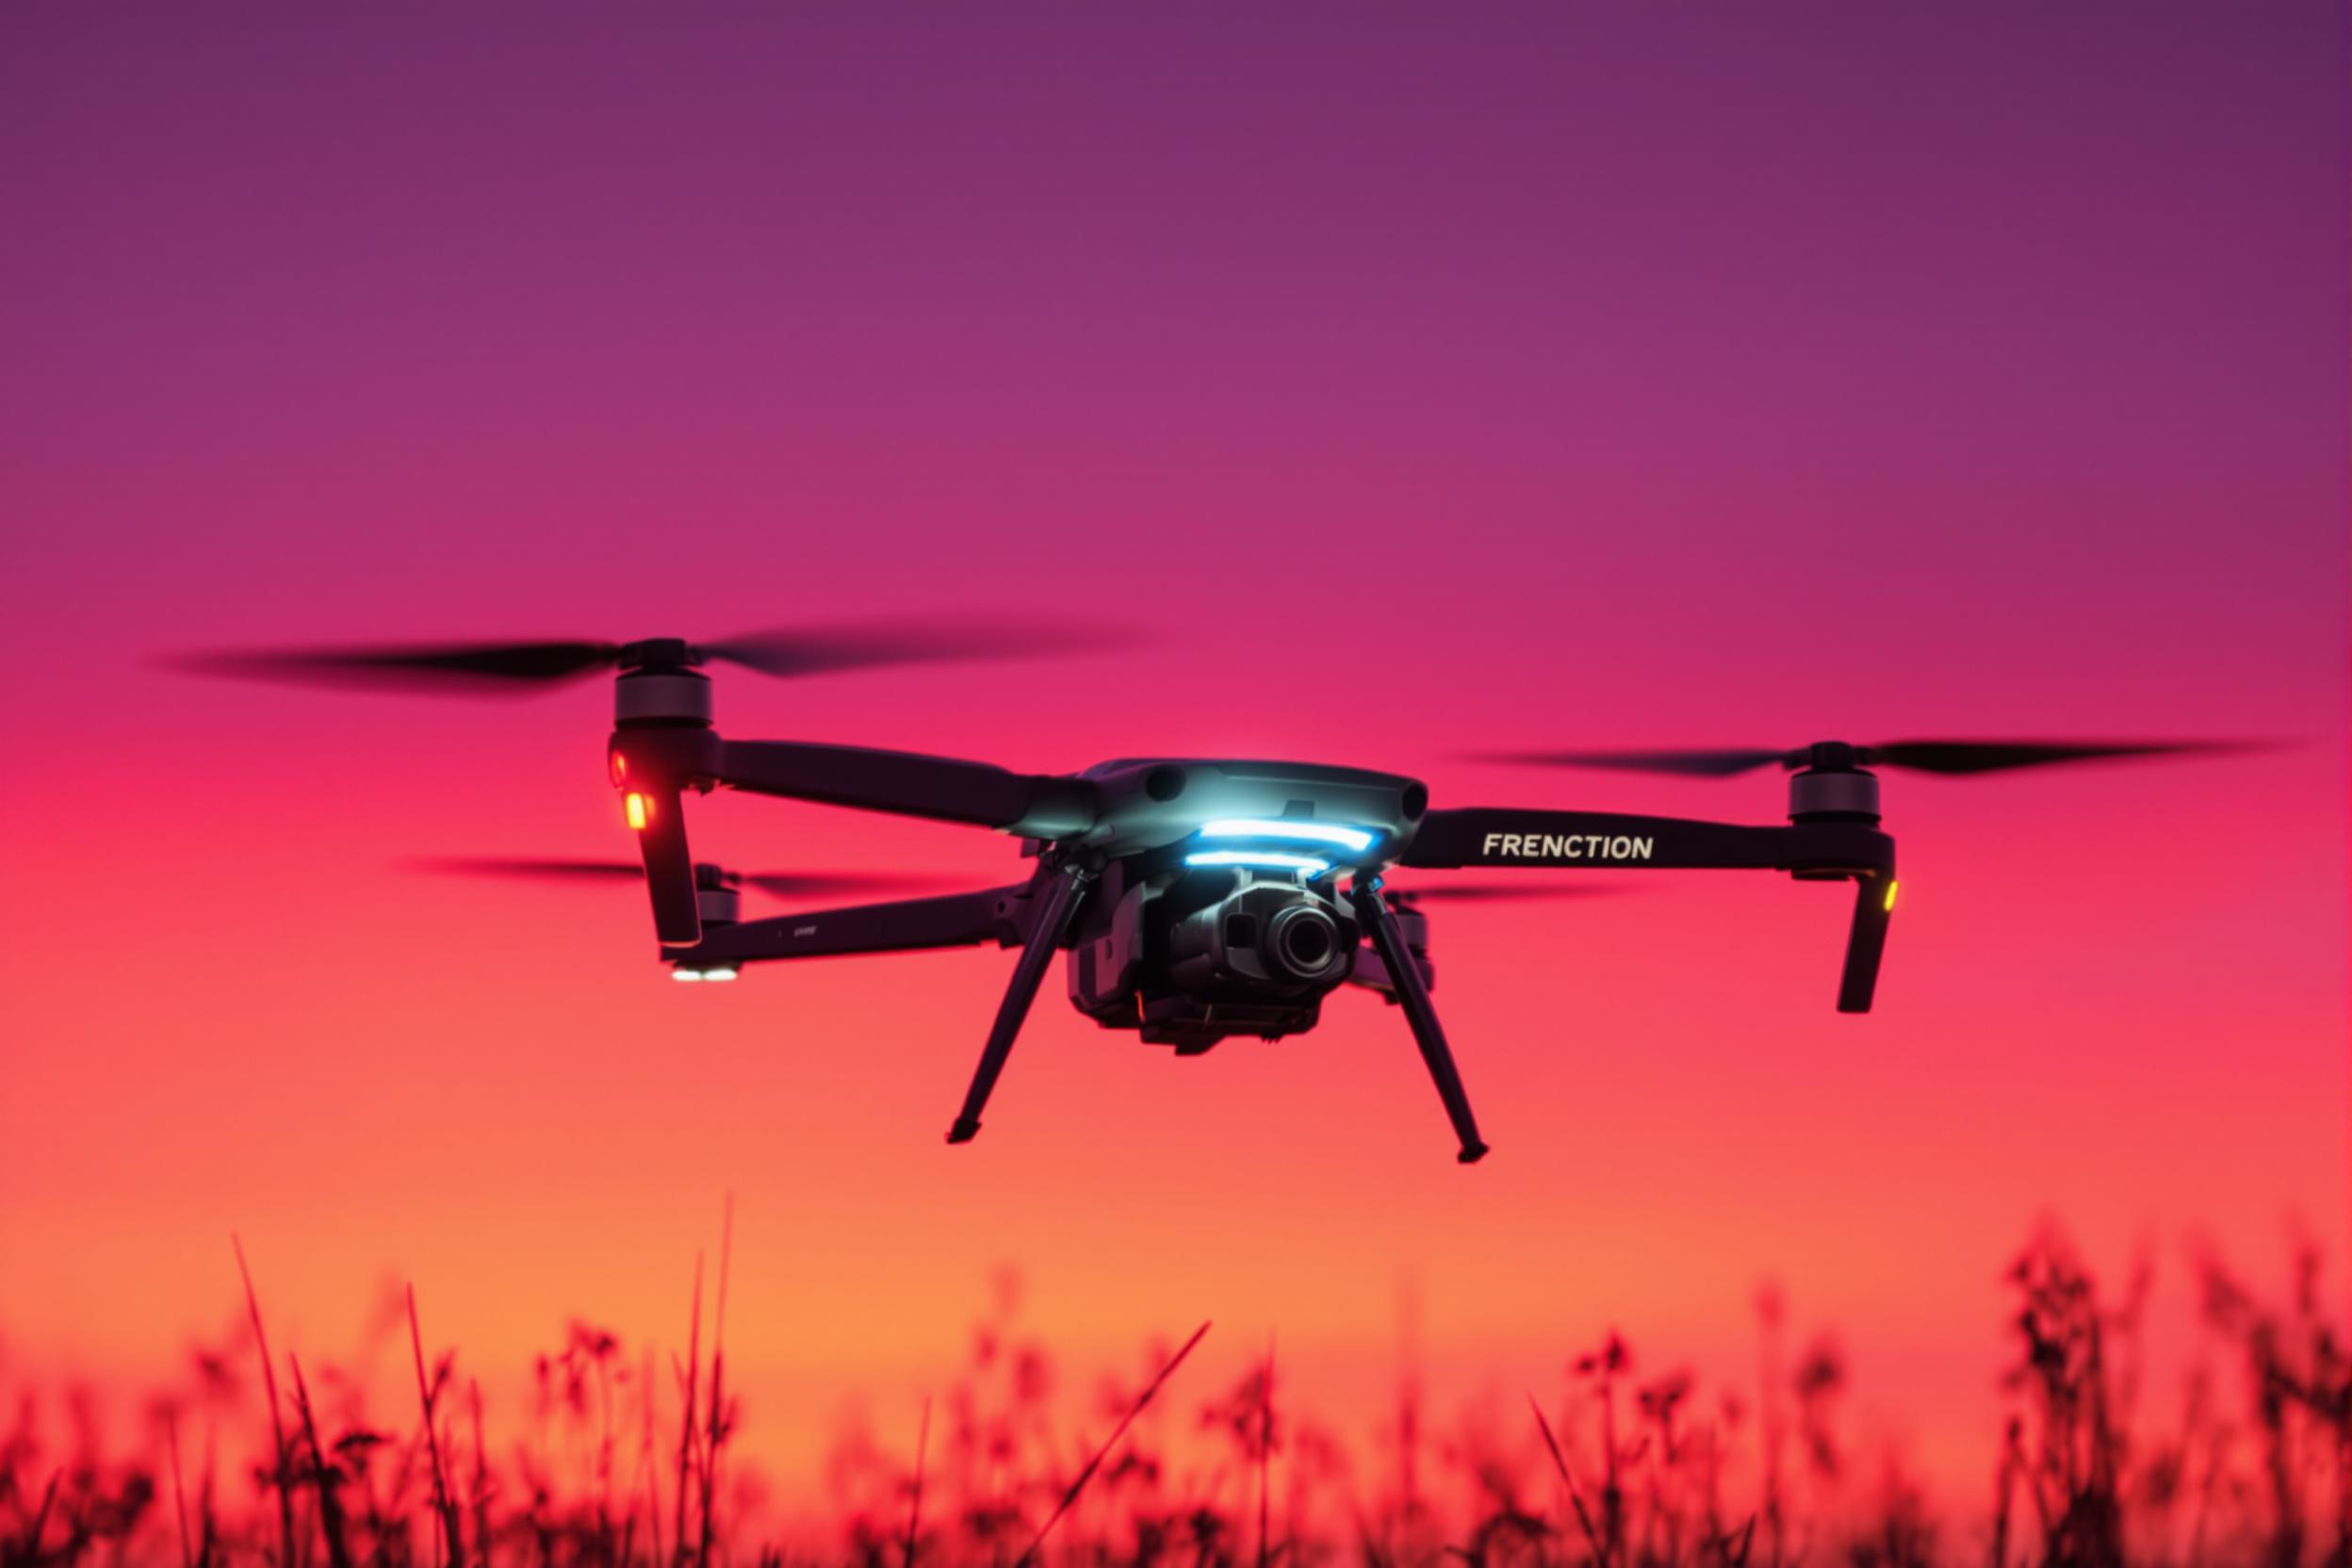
1302	941
1264	939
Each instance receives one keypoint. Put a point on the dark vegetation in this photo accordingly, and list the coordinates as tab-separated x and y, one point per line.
1625	1466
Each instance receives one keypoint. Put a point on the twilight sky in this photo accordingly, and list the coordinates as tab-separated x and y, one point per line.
1427	382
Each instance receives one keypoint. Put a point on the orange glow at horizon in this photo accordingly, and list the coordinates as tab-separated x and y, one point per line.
1577	378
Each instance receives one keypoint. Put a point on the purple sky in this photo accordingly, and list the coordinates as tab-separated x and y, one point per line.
1540	375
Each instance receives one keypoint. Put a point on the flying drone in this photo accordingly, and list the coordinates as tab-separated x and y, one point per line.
1196	898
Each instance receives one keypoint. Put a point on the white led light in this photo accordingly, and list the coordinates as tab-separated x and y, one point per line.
1284	829
685	975
1261	859
718	974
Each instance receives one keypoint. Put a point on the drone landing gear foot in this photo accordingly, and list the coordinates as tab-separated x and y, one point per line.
1061	905
1388	939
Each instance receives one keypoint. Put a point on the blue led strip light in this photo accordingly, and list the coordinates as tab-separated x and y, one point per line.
1286	830
1261	859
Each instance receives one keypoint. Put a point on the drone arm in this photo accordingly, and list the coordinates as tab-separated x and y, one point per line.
954	919
1489	836
1501	836
945	789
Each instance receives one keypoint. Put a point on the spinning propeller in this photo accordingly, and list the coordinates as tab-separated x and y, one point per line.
1496	892
781	884
716	890
1945	757
501	668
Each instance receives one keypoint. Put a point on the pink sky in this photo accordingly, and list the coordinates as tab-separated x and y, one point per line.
1536	379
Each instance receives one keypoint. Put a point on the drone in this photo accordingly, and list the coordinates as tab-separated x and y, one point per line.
1194	898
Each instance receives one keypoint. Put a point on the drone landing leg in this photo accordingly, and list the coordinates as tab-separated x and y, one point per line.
1388	939
1866	942
1061	904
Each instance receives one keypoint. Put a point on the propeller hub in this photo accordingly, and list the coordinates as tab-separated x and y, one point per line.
661	696
1833	791
656	654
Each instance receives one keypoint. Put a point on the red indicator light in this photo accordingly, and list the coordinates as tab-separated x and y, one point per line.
639	809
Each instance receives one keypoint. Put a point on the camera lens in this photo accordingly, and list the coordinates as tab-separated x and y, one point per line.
1302	941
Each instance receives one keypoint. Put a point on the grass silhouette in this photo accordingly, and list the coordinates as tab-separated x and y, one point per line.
1626	1472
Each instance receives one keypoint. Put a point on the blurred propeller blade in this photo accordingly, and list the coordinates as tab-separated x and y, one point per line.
817	883
483	668
782	884
1944	757
865	644
1699	764
513	669
1501	892
1966	757
546	870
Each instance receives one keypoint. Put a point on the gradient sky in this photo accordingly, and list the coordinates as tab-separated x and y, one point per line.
1427	382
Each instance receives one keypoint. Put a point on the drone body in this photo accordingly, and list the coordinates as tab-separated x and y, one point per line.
1194	899
1197	898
